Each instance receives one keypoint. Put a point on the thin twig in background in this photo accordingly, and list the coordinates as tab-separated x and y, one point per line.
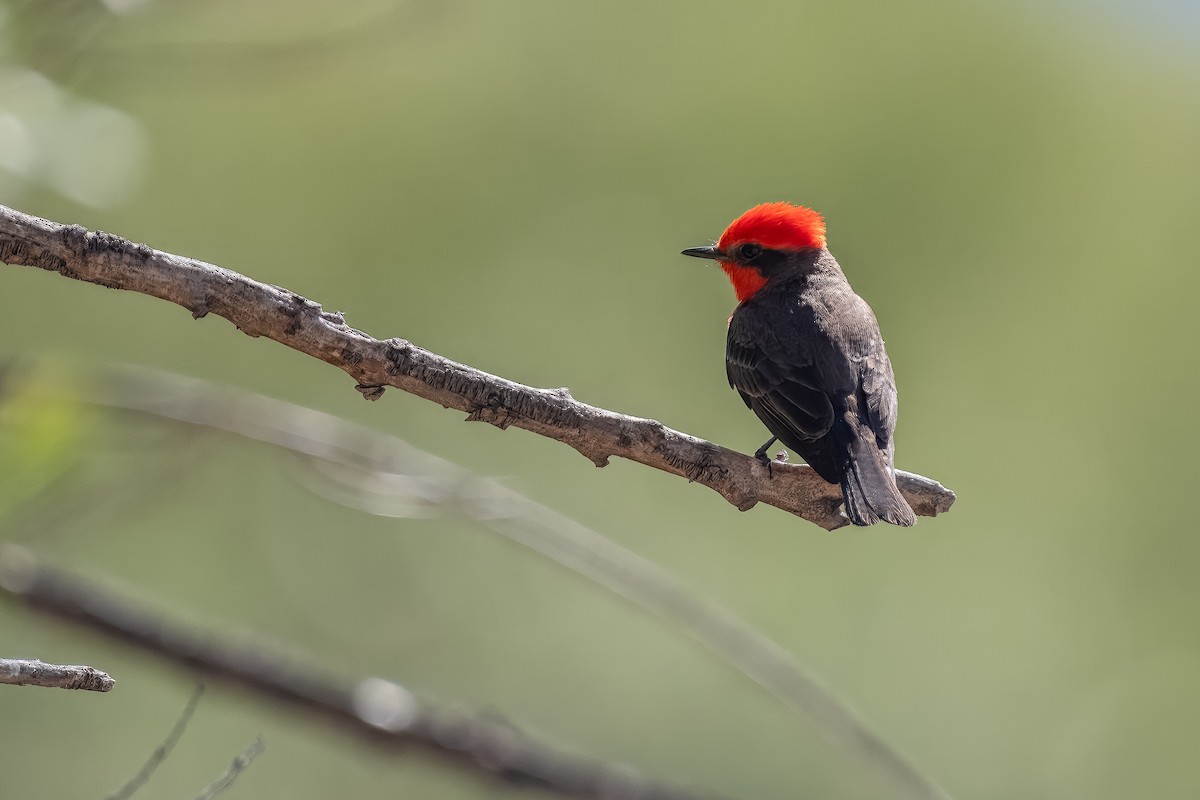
376	709
235	769
383	474
259	309
163	750
31	672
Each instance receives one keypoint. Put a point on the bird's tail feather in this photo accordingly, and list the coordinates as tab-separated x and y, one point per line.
869	486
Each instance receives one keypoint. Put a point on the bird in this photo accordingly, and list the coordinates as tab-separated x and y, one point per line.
806	355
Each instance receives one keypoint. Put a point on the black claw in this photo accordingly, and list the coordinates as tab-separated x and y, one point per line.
761	455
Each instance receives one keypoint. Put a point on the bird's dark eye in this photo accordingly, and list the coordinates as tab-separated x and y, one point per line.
749	251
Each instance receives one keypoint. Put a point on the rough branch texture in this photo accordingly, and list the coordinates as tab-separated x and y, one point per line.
258	309
31	672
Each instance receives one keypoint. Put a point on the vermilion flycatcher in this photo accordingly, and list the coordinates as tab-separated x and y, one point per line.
805	353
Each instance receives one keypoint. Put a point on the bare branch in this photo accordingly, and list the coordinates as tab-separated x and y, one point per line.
376	709
31	672
284	316
235	769
383	474
163	750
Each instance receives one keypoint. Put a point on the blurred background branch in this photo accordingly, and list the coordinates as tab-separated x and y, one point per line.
164	748
382	474
378	710
239	765
167	746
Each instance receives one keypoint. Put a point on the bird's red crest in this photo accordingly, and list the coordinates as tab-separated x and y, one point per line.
776	226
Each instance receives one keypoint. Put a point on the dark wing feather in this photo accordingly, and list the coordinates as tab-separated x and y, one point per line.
783	394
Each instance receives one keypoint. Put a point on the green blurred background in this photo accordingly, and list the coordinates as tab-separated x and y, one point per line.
1013	186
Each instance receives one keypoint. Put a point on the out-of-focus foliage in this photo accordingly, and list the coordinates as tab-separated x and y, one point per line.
40	432
1012	186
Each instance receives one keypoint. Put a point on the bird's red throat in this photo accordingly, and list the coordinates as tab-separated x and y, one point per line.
746	280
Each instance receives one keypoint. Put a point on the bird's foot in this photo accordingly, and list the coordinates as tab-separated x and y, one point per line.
761	455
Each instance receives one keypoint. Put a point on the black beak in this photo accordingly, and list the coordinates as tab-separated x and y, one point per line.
704	252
